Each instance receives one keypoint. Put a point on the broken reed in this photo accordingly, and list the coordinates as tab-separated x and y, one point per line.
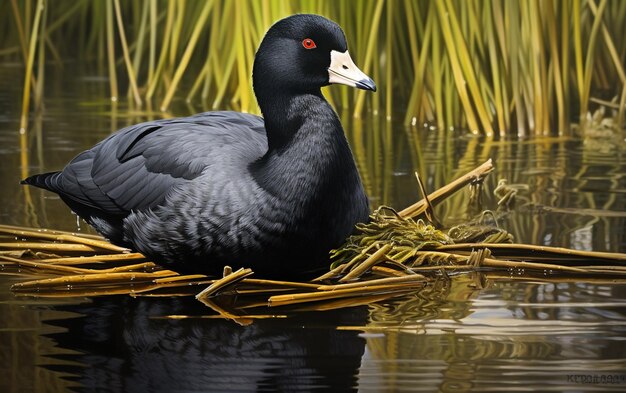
393	255
494	67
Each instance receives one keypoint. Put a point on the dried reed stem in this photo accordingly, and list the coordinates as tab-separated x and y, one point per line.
62	237
363	267
224	282
444	192
375	282
49	247
90	279
283	300
94	259
514	249
7	228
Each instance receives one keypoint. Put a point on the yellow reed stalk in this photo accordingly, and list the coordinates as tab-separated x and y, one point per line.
514	41
455	41
153	33
94	259
556	67
41	60
389	65
263	291
250	42
442	193
363	267
589	60
223	77
355	301
49	247
129	65
564	253
50	267
212	60
388	272
455	64
283	300
175	37
495	276
154	80
537	66
255	282
242	72
29	66
429	210
604	269
224	282
129	268
442	267
200	78
177	279
491	262
184	61
43	267
140	40
494	58
111	52
413	103
608	40
20	30
578	48
332	273
374	282
65	238
369	53
89	279
9	228
86	291
565	56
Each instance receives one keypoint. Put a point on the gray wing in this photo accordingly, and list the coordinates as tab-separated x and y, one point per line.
138	166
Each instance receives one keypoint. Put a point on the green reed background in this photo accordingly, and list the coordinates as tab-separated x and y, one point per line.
493	67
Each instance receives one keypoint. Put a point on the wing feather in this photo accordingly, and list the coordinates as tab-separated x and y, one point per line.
138	166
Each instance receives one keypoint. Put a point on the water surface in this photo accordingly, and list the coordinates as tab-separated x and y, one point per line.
479	332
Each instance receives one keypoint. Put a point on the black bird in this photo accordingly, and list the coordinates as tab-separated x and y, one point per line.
273	193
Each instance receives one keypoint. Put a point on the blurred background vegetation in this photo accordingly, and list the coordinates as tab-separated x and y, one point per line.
491	67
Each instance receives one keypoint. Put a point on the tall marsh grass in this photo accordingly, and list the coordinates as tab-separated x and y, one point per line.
492	67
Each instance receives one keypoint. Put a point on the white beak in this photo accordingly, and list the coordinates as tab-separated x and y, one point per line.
342	70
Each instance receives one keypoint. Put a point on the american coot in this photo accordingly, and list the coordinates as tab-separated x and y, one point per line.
273	193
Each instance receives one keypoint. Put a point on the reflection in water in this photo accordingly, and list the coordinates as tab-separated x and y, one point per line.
572	196
125	344
468	333
507	336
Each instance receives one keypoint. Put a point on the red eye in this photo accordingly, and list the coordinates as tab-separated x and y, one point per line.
308	43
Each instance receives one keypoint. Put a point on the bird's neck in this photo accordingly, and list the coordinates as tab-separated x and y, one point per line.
285	114
308	150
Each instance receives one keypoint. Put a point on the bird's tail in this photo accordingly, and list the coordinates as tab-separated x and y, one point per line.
47	181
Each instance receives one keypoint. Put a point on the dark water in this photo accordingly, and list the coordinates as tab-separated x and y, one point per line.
470	333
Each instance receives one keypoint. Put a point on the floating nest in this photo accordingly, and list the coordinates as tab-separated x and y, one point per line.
394	254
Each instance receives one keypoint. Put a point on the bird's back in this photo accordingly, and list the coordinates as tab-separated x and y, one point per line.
137	168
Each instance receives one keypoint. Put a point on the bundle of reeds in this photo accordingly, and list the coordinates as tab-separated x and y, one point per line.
392	255
491	66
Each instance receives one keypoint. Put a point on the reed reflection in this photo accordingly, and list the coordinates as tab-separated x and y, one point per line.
482	332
